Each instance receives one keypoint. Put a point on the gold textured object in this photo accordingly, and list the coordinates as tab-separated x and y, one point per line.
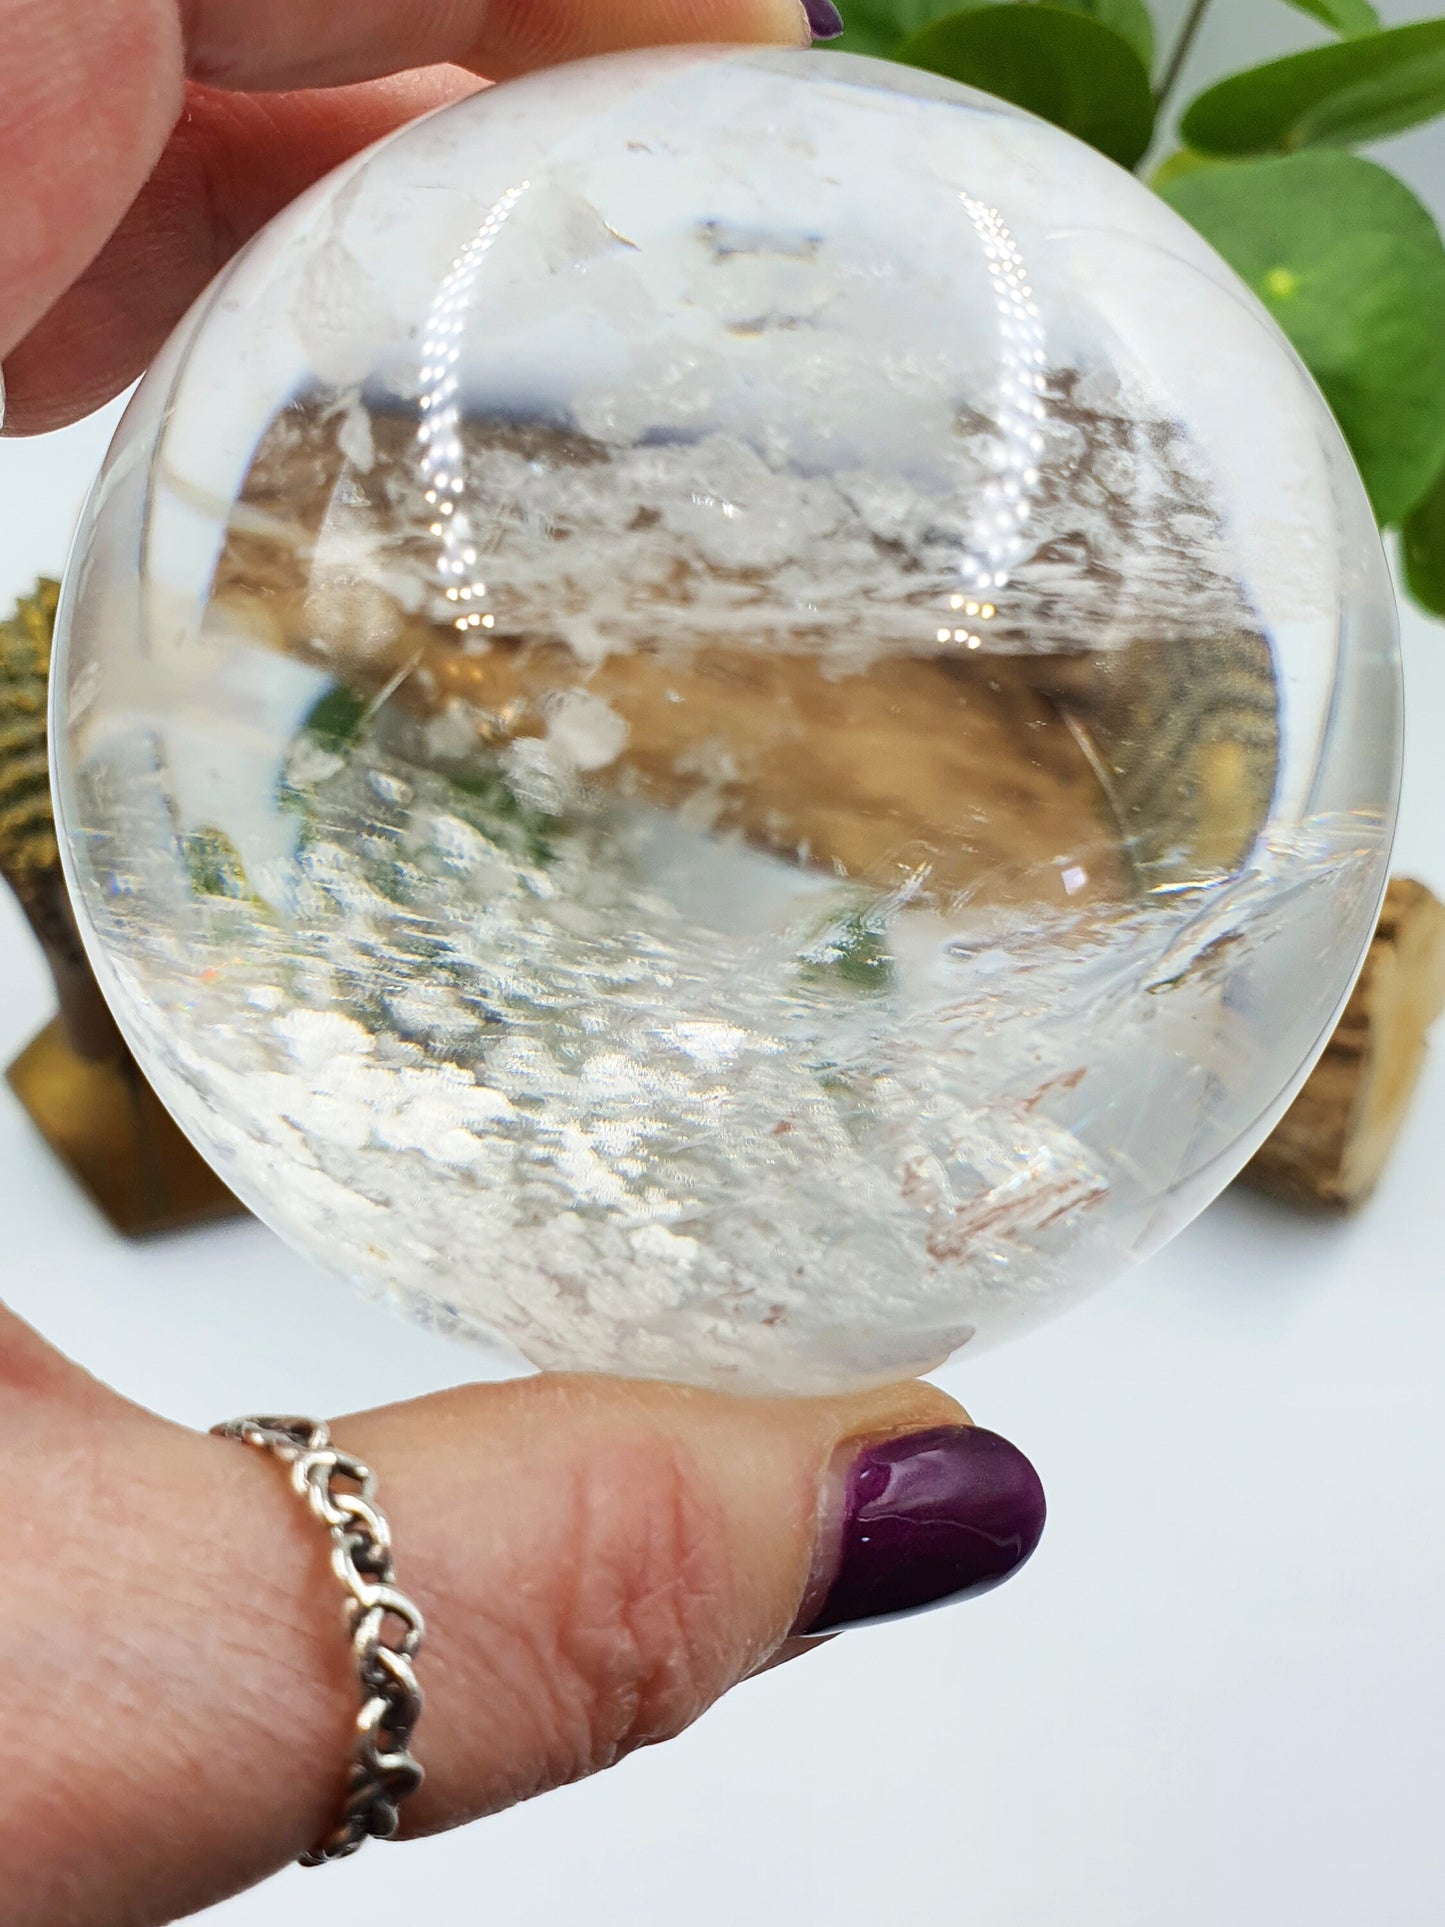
109	1129
28	851
77	1079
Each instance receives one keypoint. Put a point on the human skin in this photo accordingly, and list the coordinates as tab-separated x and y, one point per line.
597	1560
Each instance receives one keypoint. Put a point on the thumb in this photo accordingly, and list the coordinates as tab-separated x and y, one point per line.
597	1562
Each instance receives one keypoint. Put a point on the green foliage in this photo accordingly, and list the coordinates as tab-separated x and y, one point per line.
1347	17
1130	19
1344	256
882	26
853	953
1423	545
1351	266
214	865
503	818
1064	66
878	26
1359	90
1184	160
336	720
479	793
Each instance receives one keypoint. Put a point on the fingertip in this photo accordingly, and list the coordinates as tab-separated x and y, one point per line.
87	97
823	19
918	1521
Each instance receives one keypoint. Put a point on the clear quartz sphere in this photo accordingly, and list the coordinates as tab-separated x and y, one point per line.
728	715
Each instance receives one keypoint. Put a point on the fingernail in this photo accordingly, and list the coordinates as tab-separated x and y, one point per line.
824	20
921	1521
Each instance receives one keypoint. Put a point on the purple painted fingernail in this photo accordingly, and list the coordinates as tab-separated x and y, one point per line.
925	1519
823	18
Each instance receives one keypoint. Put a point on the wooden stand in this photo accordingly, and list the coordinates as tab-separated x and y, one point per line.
1331	1146
82	1088
111	1132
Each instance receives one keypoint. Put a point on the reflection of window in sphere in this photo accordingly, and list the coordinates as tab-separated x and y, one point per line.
728	715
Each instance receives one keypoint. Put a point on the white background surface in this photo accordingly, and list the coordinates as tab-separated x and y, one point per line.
1215	1695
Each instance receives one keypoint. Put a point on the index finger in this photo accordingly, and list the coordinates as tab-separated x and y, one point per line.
264	44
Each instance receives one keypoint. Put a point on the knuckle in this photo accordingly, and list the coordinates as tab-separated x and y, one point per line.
644	1636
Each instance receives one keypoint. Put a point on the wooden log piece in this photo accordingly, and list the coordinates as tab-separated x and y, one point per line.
990	774
1331	1146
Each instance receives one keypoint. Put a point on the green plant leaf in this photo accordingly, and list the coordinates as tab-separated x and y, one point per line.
878	26
1347	17
214	865
336	719
1357	90
503	818
1065	67
853	952
1130	19
1352	267
1422	543
1184	160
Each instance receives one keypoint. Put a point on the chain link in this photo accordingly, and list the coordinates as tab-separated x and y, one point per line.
385	1626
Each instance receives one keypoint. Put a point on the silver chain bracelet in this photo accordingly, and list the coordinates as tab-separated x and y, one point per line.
341	1493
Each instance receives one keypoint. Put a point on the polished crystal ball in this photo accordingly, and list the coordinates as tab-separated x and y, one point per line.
728	715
